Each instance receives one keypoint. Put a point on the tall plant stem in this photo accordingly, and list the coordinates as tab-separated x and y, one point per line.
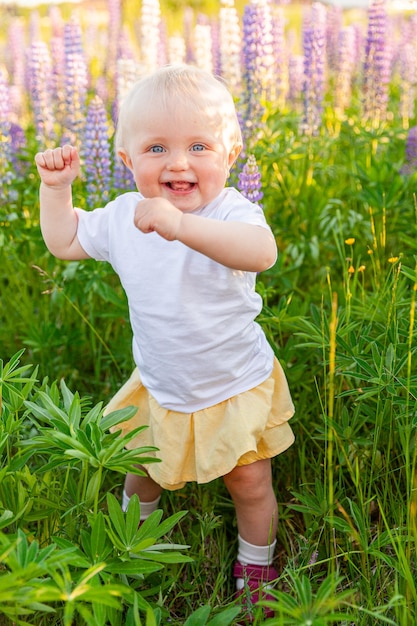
330	415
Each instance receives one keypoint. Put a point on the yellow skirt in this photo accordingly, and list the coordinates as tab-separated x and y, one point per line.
209	443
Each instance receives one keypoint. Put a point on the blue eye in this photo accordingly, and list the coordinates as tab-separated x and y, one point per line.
198	147
156	149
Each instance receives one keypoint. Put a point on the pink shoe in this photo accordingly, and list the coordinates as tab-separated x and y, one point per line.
255	577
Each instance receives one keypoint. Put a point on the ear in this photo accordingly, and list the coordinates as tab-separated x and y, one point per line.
233	154
125	158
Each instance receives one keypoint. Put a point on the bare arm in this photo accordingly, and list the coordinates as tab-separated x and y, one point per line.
234	244
58	169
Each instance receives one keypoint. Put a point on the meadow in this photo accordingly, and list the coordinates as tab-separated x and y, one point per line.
327	105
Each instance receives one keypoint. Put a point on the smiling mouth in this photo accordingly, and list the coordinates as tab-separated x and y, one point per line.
180	185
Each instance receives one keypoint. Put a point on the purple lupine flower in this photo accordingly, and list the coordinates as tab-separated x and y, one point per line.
408	81
250	181
122	177
39	77
258	60
314	44
410	164
20	161
7	174
333	26
215	49
76	81
34	26
125	47
5	108
96	153
295	78
376	69
57	76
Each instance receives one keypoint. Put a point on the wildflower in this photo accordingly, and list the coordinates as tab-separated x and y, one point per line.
295	77
313	558
96	152
344	69
258	63
176	49
39	76
122	177
76	80
351	269
250	181
215	47
314	43
57	23
114	28
15	52
128	73
280	85
350	241
203	46
361	268
334	22
19	159
6	172
408	78
188	20
376	65
393	259
230	43
410	165
150	33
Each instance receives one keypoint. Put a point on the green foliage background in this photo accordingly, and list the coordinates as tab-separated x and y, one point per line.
340	313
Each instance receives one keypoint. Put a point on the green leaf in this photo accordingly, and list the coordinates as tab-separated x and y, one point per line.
225	617
132	517
98	536
199	617
133	567
116	516
119	416
6	518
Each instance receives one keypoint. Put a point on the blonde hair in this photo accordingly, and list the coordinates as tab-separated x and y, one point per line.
173	85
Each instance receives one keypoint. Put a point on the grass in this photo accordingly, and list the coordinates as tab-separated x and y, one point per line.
339	311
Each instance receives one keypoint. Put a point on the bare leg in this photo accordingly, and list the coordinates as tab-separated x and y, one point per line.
146	488
250	487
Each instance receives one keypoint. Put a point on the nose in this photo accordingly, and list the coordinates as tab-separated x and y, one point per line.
178	160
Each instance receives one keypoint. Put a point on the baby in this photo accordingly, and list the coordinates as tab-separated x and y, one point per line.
187	250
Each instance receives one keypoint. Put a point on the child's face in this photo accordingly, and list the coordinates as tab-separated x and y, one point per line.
181	157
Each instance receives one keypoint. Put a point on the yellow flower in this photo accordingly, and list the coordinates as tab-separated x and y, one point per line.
351	269
361	268
393	259
350	241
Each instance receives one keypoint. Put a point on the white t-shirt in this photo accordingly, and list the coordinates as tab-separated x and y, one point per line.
195	340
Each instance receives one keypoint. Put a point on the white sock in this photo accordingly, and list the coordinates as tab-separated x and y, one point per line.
248	554
146	508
